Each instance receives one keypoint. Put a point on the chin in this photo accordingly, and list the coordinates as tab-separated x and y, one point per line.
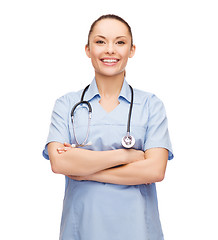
111	74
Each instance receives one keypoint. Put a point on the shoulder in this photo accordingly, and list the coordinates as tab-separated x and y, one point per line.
64	103
69	98
144	97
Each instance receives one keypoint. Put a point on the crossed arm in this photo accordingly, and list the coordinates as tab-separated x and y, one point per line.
121	166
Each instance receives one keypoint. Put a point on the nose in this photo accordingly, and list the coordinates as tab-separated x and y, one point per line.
110	48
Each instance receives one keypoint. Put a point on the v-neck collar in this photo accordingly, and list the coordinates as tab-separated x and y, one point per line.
124	93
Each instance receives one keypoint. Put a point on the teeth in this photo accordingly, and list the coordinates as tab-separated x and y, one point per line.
109	60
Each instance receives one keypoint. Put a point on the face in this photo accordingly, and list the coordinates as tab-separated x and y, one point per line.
110	47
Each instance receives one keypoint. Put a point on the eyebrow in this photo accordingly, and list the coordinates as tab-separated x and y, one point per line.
105	37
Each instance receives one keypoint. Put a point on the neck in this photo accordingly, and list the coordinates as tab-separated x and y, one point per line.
109	86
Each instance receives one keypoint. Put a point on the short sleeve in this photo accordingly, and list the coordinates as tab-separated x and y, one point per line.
59	130
157	134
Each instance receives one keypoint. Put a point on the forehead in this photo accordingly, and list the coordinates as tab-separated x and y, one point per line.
110	28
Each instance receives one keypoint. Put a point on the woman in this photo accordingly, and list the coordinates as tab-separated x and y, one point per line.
110	191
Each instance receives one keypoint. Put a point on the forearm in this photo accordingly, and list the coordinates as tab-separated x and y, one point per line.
149	170
81	162
139	172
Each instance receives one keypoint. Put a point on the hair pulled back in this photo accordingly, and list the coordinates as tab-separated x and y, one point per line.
110	16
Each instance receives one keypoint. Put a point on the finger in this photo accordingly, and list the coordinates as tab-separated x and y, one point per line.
61	149
64	149
67	145
67	148
60	152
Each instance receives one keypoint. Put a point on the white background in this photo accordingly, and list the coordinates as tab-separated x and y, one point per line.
42	57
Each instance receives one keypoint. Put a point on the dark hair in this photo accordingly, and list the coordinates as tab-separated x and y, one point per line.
110	16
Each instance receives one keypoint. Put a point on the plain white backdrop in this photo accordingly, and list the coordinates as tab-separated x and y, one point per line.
42	57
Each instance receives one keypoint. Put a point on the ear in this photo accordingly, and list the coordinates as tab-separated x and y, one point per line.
132	51
87	49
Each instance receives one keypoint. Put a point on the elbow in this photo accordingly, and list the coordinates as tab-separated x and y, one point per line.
57	165
159	176
159	172
54	167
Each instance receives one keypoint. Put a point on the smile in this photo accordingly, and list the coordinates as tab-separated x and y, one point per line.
110	60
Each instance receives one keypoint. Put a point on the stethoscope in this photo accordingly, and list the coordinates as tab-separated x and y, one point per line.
128	141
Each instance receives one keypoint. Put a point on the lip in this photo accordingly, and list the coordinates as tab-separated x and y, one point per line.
109	61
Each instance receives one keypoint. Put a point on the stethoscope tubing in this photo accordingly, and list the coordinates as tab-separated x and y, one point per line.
130	110
77	104
89	120
127	141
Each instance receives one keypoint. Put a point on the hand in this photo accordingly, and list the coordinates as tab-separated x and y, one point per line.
66	147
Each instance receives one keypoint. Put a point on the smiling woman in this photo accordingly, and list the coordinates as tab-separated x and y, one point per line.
109	47
110	191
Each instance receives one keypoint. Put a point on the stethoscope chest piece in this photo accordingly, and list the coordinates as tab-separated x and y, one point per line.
128	141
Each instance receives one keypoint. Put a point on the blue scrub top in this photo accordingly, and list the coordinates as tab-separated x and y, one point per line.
103	211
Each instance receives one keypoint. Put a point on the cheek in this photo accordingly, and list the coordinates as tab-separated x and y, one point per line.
125	58
94	55
125	53
95	52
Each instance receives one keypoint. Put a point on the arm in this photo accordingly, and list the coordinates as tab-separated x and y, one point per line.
135	173
81	162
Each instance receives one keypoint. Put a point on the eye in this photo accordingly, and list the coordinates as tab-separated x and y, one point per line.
120	42
100	42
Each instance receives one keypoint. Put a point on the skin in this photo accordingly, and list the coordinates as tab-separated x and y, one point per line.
109	40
